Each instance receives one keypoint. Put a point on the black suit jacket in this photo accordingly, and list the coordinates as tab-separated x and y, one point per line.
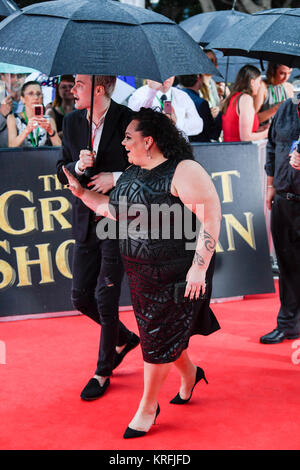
111	155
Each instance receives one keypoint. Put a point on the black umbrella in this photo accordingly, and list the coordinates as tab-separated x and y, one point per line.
229	66
272	35
205	27
7	7
99	37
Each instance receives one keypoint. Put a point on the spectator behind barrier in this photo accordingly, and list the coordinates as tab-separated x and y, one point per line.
211	127
183	112
11	101
240	121
63	102
208	89
273	91
27	128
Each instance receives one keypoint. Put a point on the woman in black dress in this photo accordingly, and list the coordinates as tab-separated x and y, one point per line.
152	201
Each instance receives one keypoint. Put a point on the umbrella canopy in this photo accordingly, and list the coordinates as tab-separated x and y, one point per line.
229	66
10	68
99	37
7	7
205	27
272	35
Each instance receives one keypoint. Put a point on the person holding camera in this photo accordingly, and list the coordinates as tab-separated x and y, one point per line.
168	312
30	128
170	100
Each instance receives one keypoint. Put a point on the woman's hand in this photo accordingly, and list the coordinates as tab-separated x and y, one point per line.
74	185
45	124
196	284
32	124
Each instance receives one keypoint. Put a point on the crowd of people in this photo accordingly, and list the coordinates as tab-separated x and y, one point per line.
141	151
202	109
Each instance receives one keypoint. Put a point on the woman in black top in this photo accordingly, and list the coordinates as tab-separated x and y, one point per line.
152	202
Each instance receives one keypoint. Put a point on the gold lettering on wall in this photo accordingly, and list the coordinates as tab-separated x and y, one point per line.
7	273
44	261
30	220
246	234
47	179
49	214
62	258
226	183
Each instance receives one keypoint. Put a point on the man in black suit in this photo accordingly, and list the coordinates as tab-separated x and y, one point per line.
97	266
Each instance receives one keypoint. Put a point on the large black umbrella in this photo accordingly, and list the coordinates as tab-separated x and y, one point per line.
229	66
99	37
205	27
272	35
7	7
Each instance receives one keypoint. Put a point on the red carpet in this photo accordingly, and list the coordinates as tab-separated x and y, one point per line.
252	400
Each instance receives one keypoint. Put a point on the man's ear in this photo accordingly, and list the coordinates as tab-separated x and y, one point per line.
99	90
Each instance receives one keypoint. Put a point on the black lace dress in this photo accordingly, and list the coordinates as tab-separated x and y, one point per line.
154	258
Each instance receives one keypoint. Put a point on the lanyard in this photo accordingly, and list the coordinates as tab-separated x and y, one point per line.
274	96
162	102
34	142
101	122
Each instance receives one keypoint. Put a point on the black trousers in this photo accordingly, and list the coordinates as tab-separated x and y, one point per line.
285	226
97	277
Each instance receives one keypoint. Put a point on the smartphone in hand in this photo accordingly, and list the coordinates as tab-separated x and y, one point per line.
167	107
38	110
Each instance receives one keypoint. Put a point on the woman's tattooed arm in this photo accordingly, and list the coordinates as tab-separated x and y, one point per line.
209	243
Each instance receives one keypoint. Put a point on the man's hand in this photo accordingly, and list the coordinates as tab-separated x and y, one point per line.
295	160
6	106
271	191
102	182
154	85
87	158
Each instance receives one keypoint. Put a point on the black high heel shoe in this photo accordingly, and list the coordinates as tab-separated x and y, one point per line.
130	433
180	401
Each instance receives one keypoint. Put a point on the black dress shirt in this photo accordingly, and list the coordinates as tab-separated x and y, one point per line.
285	129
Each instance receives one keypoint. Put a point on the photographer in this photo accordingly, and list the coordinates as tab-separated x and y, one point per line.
30	128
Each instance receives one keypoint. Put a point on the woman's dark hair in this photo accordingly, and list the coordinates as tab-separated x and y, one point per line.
27	84
242	82
169	140
64	78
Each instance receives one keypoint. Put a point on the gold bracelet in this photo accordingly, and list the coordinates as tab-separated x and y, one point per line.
270	186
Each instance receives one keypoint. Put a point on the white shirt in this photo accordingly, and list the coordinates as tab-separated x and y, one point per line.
188	119
96	136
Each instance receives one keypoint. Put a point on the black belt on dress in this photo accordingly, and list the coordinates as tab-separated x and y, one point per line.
289	196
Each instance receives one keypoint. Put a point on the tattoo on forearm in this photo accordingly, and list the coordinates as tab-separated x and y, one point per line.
198	259
209	244
208	240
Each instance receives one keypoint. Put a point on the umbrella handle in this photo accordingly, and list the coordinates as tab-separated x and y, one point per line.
89	171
